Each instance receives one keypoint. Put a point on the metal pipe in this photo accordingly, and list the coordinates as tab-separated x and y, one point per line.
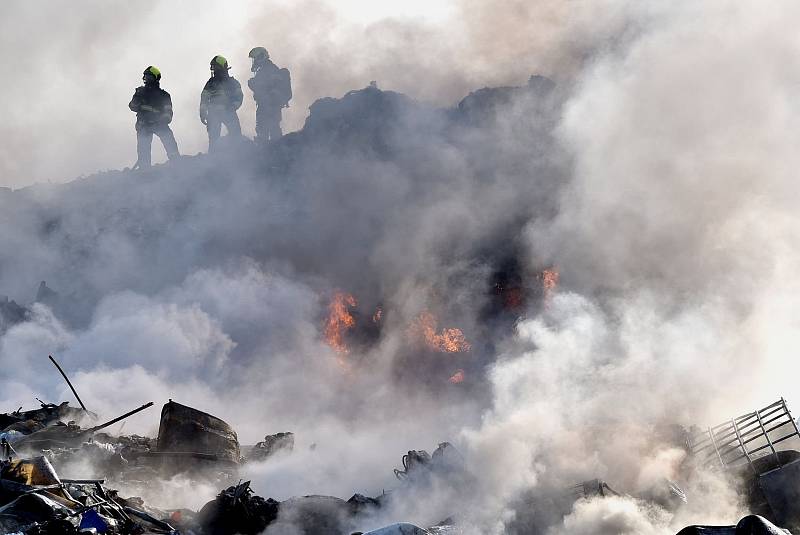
118	418
68	383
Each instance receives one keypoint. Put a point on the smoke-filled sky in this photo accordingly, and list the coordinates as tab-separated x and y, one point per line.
659	178
72	68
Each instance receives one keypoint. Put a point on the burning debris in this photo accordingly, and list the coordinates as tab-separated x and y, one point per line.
549	283
457	377
345	326
367	130
423	329
339	321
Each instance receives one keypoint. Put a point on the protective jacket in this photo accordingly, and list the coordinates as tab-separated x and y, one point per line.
220	94
153	106
271	86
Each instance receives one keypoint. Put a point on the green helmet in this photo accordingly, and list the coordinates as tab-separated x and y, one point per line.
219	62
152	71
259	52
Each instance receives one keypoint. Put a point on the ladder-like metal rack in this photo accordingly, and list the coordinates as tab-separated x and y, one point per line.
743	439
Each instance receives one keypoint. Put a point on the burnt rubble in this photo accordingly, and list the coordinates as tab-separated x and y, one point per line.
384	127
26	422
748	450
749	525
271	445
189	439
419	465
34	499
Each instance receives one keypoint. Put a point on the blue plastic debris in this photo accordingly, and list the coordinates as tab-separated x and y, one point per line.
91	519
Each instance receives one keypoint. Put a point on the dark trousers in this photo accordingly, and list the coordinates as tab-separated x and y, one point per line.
268	123
215	121
144	141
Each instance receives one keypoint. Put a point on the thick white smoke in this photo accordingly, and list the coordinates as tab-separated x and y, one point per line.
678	230
664	195
71	73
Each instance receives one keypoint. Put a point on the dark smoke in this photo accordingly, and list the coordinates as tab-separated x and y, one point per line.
657	176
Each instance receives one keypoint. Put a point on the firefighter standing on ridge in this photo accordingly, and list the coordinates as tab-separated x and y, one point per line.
153	107
272	91
221	97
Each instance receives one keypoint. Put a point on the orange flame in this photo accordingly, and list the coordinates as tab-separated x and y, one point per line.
339	321
457	377
448	341
549	282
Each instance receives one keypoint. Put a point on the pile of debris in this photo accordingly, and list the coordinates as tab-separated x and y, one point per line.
419	464
271	445
749	525
34	444
744	450
34	500
20	423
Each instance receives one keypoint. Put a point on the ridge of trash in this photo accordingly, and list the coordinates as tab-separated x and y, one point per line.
34	499
754	451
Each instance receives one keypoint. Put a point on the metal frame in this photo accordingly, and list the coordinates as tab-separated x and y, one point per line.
735	442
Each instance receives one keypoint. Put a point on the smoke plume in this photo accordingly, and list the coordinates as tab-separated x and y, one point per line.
656	177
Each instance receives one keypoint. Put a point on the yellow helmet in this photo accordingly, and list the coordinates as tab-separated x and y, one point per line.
219	62
152	71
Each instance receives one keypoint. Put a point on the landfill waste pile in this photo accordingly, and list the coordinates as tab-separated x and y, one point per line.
35	500
375	282
271	445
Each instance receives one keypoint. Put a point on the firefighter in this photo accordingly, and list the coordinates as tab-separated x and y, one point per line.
153	107
221	97
272	91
